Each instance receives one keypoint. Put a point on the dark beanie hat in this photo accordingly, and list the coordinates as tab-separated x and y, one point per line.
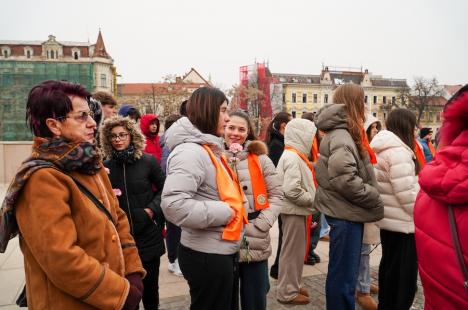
424	132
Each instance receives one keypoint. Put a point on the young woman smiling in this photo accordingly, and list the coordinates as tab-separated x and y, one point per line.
260	183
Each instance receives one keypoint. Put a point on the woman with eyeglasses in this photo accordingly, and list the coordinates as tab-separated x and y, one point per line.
76	241
138	182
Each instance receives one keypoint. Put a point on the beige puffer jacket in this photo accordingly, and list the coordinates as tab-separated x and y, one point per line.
298	184
257	231
371	231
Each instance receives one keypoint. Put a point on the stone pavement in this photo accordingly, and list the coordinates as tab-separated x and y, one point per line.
173	290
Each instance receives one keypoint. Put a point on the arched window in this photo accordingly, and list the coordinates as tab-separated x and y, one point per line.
28	52
75	55
6	51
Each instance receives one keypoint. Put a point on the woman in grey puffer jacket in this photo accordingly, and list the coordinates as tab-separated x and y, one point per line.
347	192
256	247
211	217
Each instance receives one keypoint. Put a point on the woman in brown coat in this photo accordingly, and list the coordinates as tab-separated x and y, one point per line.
78	251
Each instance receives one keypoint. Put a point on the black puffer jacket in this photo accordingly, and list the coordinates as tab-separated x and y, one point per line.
140	182
276	147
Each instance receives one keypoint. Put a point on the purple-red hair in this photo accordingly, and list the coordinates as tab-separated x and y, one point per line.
51	99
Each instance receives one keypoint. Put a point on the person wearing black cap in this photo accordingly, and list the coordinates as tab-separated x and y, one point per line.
425	136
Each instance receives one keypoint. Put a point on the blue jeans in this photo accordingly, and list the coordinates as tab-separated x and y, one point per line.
343	267
324	227
364	280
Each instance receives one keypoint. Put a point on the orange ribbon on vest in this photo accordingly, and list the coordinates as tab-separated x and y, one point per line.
431	147
365	143
305	159
229	192
315	151
418	152
259	189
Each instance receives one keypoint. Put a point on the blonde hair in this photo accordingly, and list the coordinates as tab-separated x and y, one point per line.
352	96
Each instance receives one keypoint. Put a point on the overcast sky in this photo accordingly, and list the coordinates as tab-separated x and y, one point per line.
149	39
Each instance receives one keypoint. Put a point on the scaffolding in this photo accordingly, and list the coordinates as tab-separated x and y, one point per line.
16	80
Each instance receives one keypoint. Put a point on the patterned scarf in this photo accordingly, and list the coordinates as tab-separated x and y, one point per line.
124	156
46	153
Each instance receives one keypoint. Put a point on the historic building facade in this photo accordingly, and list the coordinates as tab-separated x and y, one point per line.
161	98
24	64
308	93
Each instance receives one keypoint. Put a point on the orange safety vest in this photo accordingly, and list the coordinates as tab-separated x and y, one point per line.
257	180
418	152
229	192
370	151
308	218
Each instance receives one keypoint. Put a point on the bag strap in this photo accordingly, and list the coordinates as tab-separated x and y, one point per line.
93	198
456	243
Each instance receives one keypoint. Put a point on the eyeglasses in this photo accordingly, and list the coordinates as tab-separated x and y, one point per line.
81	117
120	136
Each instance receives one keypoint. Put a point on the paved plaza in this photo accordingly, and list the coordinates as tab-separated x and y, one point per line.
173	291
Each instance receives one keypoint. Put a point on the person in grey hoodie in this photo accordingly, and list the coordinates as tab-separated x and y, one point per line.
346	192
192	200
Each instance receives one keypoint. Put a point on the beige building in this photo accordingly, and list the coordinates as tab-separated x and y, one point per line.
308	93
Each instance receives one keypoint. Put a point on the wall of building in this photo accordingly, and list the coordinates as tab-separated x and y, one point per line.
12	154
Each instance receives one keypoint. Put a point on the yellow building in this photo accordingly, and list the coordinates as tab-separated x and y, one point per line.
308	93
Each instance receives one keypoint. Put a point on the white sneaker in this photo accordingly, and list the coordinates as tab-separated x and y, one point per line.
171	267
177	270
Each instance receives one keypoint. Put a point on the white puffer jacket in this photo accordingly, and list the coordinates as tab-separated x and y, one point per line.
398	184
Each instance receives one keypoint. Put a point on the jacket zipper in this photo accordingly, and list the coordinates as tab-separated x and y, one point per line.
128	203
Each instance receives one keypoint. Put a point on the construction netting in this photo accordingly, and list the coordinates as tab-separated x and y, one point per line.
16	80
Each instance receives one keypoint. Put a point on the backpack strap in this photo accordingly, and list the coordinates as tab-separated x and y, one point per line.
457	246
93	198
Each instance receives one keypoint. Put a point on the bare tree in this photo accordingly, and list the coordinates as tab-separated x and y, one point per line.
423	93
253	96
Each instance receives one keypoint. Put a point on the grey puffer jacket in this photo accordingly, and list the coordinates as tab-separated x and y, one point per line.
347	186
257	231
190	198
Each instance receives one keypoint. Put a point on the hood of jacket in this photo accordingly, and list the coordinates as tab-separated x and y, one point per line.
370	119
332	116
446	177
385	140
145	123
299	134
137	138
183	131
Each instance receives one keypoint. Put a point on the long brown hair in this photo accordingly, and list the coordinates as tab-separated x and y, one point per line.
402	123
352	96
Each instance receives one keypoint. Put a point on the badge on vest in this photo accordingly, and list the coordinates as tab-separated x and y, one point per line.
261	199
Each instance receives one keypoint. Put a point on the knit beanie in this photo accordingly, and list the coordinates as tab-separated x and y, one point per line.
424	132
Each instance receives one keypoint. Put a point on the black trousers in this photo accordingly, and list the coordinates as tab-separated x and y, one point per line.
211	279
275	267
151	284
254	285
398	271
172	241
315	233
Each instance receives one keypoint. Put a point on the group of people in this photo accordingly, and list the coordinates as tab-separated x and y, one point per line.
91	204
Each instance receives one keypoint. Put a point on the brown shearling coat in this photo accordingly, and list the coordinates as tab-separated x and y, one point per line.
74	257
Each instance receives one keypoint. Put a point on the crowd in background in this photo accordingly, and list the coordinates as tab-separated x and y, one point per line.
106	192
